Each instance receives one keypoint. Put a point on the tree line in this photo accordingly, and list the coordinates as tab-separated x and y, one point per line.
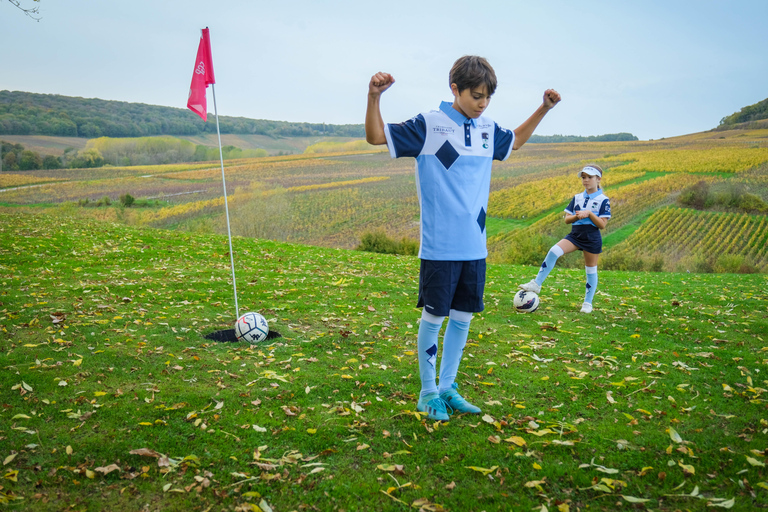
119	152
26	113
751	113
609	137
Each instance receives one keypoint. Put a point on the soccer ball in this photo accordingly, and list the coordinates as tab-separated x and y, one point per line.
251	327
526	302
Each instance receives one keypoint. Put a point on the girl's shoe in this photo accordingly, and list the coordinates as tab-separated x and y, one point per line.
532	286
586	307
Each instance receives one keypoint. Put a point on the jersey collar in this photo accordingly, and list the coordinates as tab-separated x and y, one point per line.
457	117
593	195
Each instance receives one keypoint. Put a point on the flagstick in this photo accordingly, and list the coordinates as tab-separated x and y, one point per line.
226	206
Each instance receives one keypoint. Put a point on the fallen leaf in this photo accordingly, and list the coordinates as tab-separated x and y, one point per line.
108	469
674	435
687	468
484	471
145	452
632	499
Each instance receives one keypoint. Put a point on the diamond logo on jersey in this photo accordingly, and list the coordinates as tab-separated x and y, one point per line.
447	155
481	220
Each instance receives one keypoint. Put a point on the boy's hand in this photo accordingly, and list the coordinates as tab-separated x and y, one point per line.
551	98
380	82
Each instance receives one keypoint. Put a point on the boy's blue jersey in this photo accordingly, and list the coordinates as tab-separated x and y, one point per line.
454	155
597	202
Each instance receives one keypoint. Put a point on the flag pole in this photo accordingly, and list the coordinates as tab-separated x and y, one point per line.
226	206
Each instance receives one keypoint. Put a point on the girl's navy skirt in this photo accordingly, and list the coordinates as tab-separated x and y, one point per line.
586	238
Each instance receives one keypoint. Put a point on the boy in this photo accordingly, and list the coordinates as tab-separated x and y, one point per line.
454	148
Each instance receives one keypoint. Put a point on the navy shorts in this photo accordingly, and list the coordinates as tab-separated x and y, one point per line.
447	285
586	238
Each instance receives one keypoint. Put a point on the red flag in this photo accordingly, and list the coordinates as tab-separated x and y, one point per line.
202	76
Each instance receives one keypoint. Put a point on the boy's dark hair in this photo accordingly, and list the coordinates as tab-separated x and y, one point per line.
471	71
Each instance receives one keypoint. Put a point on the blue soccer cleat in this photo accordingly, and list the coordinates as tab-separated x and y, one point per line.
456	402
434	406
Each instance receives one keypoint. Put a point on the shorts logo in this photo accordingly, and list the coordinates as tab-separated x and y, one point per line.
485	137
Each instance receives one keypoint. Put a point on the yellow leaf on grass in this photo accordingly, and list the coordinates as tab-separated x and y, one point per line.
484	471
755	462
311	431
78	362
687	468
12	475
69	450
346	377
9	459
21	417
90	474
674	436
519	441
99	393
764	485
536	465
534	483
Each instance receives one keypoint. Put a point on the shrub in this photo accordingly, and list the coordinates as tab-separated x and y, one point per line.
752	203
127	200
734	264
622	261
529	248
656	263
695	196
104	201
379	242
409	247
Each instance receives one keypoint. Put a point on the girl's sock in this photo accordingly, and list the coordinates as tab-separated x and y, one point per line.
549	263
591	284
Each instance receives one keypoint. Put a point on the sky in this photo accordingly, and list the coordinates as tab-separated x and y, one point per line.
654	68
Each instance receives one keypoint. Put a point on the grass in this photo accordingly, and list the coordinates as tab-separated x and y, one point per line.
113	399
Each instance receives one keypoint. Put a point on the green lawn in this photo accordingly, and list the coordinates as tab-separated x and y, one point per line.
112	399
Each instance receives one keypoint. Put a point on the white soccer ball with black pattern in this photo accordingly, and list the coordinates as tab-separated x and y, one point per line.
251	327
526	302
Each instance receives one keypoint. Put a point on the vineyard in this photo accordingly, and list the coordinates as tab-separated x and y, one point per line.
739	241
332	195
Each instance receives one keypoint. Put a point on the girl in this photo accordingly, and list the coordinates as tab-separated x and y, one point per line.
589	212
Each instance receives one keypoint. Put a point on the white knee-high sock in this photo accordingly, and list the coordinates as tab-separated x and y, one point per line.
549	263
426	344
591	284
454	341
